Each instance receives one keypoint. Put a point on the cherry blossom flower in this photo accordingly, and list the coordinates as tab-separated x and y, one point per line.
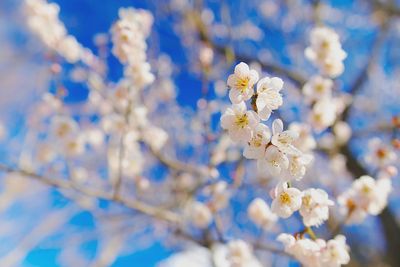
274	161
241	83
335	253
239	122
268	96
366	196
379	154
64	127
201	215
298	166
306	141
325	51
315	207
317	88
260	213
323	114
287	200
255	149
284	139
239	253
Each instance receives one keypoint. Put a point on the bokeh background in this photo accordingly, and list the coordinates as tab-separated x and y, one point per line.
266	30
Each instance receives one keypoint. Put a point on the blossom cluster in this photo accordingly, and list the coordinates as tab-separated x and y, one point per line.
123	118
317	253
129	35
42	18
275	151
365	196
325	51
120	121
327	54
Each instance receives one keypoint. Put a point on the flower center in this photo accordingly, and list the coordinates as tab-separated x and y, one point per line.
306	200
284	198
63	130
366	189
242	84
319	88
381	153
242	120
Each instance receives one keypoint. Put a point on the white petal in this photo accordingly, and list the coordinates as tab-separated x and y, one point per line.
277	126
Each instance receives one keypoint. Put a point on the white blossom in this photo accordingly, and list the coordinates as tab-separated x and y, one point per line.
239	253
274	161
325	51
366	196
241	83
64	127
284	139
287	200
298	166
379	154
335	253
315	207
201	215
239	122
317	88
323	114
305	141
255	148
268	96
260	213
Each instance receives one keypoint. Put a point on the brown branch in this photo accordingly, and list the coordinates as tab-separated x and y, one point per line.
164	215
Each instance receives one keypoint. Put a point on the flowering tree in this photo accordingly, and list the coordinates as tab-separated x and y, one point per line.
286	147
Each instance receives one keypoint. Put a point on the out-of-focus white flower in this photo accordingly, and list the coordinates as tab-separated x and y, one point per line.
200	215
379	154
284	139
239	122
73	146
42	18
274	161
323	114
335	253
315	207
298	166
241	83
255	149
63	127
155	137
325	51
239	253
268	96
206	55
260	213
219	195
342	132
217	256
317	88
129	35
45	153
70	49
366	196
113	123
287	200
305	142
